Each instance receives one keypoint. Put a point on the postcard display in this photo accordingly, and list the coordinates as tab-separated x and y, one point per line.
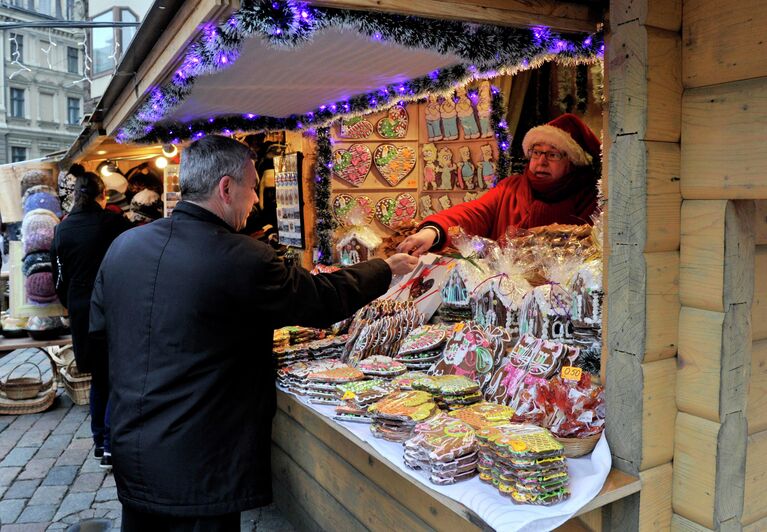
396	167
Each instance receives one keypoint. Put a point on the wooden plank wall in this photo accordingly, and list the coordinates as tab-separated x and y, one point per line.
720	469
644	88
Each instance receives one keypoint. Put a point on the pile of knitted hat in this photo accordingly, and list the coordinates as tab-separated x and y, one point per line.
42	211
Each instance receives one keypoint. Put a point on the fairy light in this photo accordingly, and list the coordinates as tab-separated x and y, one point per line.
16	58
47	51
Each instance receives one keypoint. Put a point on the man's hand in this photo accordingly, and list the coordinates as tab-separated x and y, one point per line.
401	263
419	243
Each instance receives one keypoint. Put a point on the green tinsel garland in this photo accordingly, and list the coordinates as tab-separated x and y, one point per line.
488	51
325	223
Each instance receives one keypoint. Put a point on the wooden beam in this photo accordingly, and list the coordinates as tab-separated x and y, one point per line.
723	41
714	361
663	14
757	526
165	56
756	411
681	524
759	306
655	499
754	507
724	141
658	414
662	305
664	199
709	460
560	16
761	223
717	243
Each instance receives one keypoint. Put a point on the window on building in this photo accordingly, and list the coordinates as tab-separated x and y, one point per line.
73	110
46	107
17	103
18	154
73	60
127	32
70	9
17	45
44	6
103	45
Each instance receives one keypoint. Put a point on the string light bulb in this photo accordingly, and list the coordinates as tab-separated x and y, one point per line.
161	162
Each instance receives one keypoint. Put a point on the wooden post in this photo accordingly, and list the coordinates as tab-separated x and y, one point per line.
643	161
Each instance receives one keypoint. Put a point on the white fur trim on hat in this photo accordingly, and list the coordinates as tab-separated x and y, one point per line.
558	138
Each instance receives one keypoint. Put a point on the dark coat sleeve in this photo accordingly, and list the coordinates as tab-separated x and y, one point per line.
293	296
60	277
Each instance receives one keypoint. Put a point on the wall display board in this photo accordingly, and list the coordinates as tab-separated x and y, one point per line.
290	203
411	160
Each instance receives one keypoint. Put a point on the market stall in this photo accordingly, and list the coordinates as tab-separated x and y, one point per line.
646	220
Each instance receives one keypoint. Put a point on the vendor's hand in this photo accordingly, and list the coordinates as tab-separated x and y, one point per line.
401	263
419	243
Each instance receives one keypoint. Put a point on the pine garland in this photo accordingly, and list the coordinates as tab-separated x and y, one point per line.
487	51
325	223
501	127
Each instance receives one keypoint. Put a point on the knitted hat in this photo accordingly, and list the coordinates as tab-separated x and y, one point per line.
38	188
37	261
115	181
39	287
147	203
36	177
42	200
37	230
569	134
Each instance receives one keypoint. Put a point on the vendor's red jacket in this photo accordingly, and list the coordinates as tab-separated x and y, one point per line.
521	201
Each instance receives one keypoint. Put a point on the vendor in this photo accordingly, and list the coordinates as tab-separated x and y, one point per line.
559	185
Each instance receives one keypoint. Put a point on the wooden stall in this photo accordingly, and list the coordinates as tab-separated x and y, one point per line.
685	358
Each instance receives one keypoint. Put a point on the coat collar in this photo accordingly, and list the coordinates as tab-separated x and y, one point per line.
187	209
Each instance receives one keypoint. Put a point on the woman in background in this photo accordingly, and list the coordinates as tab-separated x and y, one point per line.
79	245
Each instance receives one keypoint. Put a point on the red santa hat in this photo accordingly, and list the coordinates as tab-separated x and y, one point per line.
568	134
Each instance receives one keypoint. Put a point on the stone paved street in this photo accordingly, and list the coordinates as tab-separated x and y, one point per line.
49	479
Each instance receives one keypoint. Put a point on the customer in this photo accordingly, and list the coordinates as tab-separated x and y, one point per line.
559	185
189	308
79	245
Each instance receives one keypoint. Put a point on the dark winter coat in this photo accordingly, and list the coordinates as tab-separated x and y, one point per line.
189	308
79	244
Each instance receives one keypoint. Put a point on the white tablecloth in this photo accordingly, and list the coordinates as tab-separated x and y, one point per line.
587	475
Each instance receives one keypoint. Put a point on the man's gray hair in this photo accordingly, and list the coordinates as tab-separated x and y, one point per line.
204	162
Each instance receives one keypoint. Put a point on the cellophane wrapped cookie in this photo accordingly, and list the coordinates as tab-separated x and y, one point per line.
445	448
395	416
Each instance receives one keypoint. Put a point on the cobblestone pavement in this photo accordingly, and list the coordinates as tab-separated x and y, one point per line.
49	479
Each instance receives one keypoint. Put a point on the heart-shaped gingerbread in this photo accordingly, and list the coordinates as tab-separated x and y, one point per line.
355	128
352	165
394	124
393	212
353	210
394	162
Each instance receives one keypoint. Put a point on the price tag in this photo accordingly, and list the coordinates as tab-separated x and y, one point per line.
571	373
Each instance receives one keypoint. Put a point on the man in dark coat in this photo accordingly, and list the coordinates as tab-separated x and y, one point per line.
189	308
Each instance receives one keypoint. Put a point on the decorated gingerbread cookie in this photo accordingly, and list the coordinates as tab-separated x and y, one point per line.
394	124
352	164
424	338
394	163
393	212
353	210
357	127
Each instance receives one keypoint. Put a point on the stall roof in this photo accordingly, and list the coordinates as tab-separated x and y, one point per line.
284	64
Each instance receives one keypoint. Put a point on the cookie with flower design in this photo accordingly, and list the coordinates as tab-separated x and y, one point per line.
393	212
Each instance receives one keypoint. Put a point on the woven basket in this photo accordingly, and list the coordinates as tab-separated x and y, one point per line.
76	384
40	403
61	359
19	388
575	447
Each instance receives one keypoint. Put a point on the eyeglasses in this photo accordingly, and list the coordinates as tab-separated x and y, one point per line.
550	155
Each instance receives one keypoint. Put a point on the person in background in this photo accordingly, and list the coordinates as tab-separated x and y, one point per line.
189	308
79	244
559	185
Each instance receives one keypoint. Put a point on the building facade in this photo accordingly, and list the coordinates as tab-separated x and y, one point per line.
43	79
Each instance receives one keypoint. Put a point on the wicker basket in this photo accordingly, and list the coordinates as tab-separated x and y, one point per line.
575	447
40	403
19	388
76	384
61	359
